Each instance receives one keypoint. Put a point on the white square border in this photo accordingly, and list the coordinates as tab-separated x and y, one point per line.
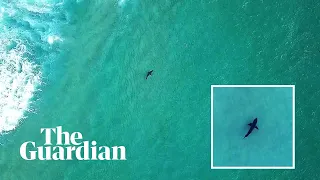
293	128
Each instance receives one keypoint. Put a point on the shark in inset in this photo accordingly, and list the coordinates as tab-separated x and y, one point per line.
252	126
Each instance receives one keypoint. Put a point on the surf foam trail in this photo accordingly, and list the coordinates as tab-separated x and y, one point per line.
28	30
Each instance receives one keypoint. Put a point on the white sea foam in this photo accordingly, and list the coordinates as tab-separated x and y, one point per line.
121	2
18	78
39	6
52	38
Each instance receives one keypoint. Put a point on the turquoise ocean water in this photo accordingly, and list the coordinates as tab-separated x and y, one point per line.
82	65
234	108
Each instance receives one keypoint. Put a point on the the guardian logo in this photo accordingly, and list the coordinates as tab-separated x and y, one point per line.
73	148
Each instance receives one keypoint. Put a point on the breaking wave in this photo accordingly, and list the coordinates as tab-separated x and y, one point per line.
28	30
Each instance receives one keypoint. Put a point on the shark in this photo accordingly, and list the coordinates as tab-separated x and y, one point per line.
252	126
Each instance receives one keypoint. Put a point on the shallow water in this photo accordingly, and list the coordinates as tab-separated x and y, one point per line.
269	145
86	63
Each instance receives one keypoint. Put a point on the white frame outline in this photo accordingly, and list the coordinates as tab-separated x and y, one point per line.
293	128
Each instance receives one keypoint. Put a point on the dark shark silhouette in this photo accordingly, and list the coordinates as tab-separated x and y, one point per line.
149	74
252	126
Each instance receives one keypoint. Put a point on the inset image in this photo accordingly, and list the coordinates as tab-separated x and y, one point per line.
252	127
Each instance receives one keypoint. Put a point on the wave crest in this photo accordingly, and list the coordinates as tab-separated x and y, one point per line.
18	78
